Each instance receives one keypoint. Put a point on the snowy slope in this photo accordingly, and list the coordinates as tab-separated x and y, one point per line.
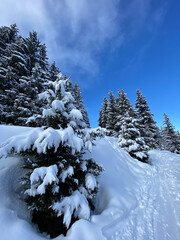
136	201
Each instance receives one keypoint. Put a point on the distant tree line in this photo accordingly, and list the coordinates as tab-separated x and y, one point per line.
135	127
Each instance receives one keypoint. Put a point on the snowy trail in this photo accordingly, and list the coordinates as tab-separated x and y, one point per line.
169	196
157	212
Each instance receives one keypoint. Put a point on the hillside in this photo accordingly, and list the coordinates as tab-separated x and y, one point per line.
135	201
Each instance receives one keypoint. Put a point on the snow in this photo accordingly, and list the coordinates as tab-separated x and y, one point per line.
47	175
90	182
75	114
67	173
83	166
140	155
76	203
42	140
101	132
88	145
48	113
58	105
47	95
134	147
21	58
68	97
136	200
19	143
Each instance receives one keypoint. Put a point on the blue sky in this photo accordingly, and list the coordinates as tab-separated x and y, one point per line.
109	45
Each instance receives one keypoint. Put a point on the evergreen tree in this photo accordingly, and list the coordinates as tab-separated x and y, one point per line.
32	44
60	184
8	35
123	107
147	125
160	139
79	104
111	113
100	118
131	140
42	57
23	74
103	113
53	72
170	137
18	58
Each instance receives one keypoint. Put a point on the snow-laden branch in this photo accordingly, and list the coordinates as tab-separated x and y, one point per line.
41	140
75	203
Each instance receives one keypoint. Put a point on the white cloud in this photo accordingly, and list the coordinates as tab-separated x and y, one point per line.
76	31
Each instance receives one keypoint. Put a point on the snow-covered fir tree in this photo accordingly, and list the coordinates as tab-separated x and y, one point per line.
147	125
159	139
61	185
131	140
103	113
23	72
79	103
171	141
8	36
111	113
53	72
100	118
123	107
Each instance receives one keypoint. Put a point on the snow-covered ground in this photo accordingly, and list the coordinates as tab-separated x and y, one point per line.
136	200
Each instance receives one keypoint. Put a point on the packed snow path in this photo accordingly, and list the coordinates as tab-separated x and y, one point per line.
136	201
156	214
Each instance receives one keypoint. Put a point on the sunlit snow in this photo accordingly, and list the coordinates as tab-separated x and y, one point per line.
136	200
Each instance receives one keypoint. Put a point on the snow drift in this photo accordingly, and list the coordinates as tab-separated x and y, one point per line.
135	201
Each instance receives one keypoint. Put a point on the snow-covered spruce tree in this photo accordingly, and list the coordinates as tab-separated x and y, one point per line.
60	184
42	57
79	104
123	107
23	72
7	95
103	113
131	140
160	139
26	102
53	72
111	113
8	35
169	135
100	117
147	125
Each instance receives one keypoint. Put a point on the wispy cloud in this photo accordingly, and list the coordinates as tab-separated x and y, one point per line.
76	31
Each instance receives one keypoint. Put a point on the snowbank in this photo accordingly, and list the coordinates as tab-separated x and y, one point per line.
135	201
